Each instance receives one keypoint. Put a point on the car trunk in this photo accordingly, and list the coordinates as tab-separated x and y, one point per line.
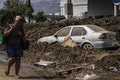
110	36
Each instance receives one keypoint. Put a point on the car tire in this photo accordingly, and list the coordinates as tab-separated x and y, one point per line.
87	46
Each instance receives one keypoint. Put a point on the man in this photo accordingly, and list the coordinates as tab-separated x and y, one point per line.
14	33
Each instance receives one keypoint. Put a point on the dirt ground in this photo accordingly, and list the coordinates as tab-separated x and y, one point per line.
101	62
24	74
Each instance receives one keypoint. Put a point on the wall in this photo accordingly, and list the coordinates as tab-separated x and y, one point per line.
79	10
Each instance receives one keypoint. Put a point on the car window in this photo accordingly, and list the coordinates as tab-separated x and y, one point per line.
64	32
78	31
96	28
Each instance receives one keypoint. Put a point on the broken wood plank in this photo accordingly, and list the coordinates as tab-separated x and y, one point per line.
69	71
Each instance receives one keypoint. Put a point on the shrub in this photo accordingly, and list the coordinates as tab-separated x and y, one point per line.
40	17
40	24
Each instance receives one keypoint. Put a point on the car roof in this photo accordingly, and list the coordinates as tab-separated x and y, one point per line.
79	25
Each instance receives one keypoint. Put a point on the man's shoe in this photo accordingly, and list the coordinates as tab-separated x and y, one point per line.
17	77
6	73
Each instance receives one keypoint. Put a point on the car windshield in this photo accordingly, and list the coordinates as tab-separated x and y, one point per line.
96	28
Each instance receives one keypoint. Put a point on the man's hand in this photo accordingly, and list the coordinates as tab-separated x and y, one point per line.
12	27
8	30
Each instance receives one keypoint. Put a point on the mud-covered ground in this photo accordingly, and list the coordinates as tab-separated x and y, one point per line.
101	62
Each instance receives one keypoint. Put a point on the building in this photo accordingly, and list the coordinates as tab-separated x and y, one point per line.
79	7
92	8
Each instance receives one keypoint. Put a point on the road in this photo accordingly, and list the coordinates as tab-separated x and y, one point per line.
25	73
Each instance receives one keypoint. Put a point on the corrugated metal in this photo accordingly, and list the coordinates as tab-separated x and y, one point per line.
115	0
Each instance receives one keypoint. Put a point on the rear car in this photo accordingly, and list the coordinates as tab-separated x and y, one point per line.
102	38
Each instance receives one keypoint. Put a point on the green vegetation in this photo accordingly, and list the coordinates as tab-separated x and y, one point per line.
39	24
40	17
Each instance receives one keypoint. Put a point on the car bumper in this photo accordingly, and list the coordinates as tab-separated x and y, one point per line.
106	44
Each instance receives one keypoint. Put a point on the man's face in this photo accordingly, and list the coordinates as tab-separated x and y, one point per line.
18	22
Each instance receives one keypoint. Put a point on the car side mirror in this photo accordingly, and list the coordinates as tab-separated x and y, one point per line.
56	36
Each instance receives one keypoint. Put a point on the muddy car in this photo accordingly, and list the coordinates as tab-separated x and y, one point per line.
86	36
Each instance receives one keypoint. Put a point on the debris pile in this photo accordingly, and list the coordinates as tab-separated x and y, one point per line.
62	55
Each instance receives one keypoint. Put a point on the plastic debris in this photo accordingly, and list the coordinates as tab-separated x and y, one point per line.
88	77
46	63
113	69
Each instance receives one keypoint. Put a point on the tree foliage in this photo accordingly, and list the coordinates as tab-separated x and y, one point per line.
40	17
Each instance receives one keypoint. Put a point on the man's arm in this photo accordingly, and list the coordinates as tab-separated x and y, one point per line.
8	30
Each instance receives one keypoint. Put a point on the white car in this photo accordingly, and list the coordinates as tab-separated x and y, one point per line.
86	36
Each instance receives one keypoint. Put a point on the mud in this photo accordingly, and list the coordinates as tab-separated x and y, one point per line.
67	58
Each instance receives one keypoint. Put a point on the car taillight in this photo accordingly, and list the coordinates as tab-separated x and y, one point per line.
102	36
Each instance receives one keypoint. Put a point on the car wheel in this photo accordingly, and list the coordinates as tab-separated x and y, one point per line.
87	46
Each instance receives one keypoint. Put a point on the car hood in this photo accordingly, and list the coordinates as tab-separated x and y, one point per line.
49	39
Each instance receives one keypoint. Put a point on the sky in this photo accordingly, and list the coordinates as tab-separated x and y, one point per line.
2	2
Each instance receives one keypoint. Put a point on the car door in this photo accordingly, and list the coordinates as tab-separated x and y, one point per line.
78	34
63	33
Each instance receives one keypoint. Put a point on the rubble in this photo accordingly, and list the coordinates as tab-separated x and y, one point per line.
68	57
88	77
